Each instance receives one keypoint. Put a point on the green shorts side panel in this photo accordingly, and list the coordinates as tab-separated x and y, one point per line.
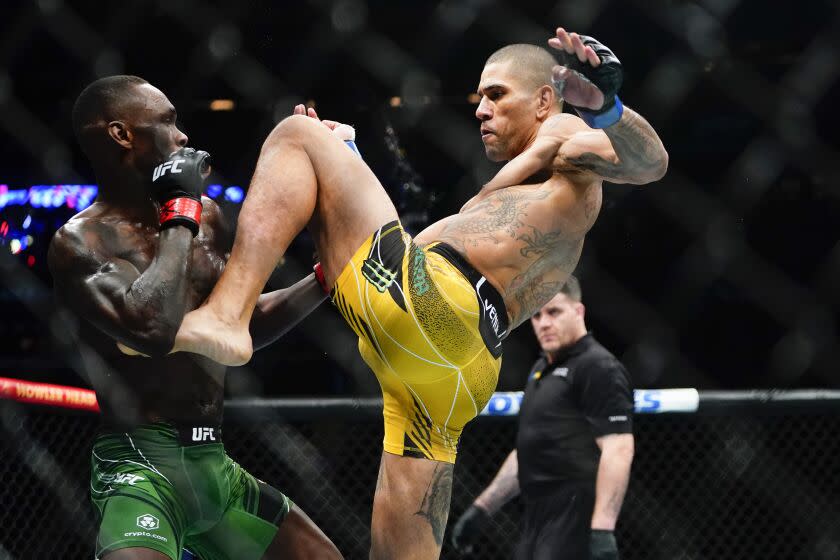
239	535
248	525
130	521
152	491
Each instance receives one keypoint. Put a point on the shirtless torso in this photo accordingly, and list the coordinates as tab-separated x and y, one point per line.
92	257
523	232
525	238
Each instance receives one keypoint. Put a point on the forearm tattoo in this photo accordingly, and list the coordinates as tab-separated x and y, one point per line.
635	143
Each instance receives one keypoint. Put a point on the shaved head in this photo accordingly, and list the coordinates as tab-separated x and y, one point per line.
126	127
531	64
103	101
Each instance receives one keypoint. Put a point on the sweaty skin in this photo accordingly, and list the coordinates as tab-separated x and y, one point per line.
106	239
130	283
526	238
523	231
110	246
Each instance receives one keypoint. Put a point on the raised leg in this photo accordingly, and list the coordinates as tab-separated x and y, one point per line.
410	508
305	176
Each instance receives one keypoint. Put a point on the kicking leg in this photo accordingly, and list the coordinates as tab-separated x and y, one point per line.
305	176
410	508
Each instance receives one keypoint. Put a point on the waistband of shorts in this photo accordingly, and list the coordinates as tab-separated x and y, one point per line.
186	434
482	287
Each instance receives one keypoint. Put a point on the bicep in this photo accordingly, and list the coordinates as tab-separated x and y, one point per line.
616	444
97	291
103	293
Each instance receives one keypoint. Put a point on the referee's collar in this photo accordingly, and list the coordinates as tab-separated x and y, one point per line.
573	349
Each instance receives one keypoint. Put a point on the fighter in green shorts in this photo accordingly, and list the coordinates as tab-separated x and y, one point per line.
130	266
159	489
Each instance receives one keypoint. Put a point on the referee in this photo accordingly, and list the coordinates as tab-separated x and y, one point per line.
574	447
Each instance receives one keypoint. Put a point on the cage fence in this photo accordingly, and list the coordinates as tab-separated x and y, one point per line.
744	117
733	481
745	127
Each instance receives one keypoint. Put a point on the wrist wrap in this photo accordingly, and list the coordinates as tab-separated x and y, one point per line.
352	145
181	211
603	119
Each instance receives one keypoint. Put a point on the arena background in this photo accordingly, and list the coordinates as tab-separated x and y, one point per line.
722	276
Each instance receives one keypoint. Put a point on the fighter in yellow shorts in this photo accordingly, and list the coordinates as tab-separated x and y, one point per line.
423	329
420	325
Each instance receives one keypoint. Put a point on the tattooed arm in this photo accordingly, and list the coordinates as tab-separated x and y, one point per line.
626	151
629	151
536	157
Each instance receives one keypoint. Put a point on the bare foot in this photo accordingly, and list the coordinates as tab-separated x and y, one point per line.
203	332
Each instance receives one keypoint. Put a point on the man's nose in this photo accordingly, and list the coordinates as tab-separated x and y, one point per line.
182	139
483	112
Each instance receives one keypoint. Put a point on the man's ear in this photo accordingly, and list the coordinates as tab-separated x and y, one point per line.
120	133
580	309
545	102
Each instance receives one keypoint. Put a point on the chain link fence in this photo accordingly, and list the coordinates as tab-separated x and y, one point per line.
741	92
728	485
740	291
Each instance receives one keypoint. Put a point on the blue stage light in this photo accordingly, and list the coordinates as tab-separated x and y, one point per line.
234	194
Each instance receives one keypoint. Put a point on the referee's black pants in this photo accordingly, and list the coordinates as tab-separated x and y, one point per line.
556	524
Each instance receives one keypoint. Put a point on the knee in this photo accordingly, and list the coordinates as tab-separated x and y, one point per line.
294	128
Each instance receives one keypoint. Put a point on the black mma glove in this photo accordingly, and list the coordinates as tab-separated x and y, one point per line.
178	183
468	529
607	77
602	545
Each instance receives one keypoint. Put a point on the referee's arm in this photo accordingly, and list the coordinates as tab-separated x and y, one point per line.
504	487
612	478
471	524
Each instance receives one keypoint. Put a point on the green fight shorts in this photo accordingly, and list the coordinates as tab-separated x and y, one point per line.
166	488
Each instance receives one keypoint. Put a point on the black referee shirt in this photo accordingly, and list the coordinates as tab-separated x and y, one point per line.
583	395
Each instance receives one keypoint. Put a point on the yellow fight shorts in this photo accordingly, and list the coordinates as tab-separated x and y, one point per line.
431	328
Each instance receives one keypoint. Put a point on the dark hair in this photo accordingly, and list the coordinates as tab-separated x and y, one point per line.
101	100
572	289
533	64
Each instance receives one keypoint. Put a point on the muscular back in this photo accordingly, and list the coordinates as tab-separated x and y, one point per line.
94	259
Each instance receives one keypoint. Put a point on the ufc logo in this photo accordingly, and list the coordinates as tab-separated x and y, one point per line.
171	166
202	434
122	478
